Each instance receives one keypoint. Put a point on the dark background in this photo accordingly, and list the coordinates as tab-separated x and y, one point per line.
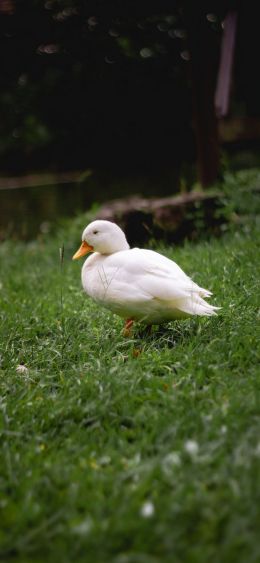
82	87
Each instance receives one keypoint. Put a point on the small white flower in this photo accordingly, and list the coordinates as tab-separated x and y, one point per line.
134	461
191	447
147	509
171	461
22	369
83	527
104	460
173	458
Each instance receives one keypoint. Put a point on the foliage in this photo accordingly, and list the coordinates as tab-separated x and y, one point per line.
242	192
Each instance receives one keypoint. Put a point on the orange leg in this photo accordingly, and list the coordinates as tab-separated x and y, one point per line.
127	328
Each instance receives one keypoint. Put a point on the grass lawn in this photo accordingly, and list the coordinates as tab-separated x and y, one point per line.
108	455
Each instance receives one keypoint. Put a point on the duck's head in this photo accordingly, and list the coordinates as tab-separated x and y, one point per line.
103	237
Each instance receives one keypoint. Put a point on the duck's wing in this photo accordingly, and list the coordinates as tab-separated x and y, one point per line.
163	278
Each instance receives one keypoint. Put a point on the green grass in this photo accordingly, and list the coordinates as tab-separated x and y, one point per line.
93	431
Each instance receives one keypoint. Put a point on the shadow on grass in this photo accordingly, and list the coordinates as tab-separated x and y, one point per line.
170	334
177	332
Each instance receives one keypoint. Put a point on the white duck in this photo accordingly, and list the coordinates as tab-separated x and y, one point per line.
136	284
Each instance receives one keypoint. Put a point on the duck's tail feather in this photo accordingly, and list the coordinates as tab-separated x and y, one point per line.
195	305
204	292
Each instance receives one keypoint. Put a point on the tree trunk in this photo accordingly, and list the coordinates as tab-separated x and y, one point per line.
204	57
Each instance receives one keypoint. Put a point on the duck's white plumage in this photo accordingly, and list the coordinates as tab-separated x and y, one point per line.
137	284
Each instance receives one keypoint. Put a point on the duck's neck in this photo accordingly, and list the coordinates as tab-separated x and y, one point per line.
114	249
117	244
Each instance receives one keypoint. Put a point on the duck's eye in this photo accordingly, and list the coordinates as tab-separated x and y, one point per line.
95	232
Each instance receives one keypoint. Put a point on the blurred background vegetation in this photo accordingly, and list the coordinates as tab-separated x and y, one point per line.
124	101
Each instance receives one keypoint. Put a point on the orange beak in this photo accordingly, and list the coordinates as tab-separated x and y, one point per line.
83	249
